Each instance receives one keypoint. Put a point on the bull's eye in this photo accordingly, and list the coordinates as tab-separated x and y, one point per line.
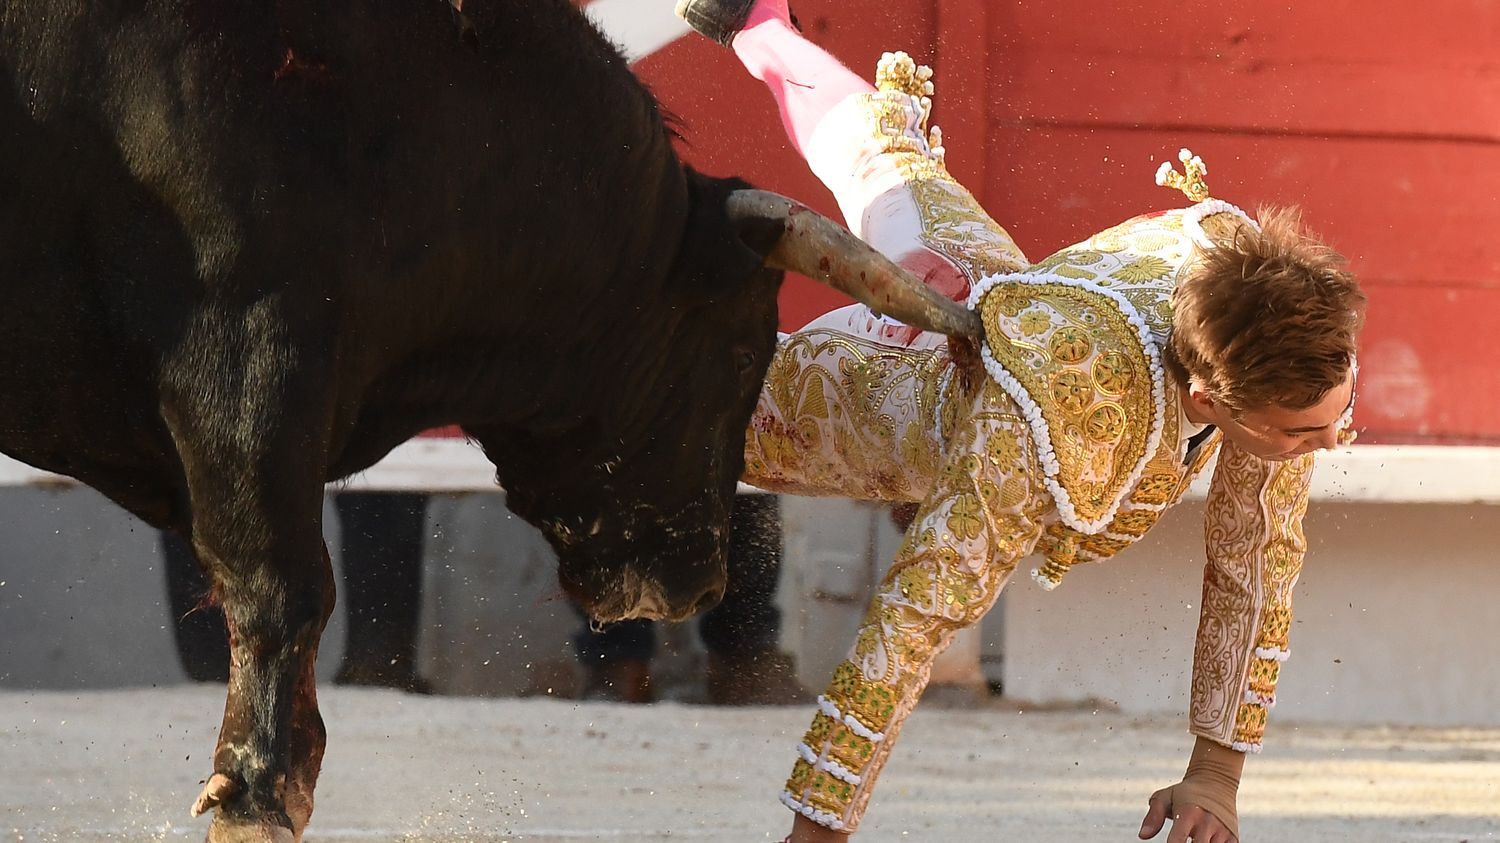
744	360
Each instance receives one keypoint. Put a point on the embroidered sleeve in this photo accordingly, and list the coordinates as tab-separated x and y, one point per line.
980	518
1253	532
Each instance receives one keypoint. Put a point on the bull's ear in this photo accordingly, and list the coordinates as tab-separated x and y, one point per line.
760	234
720	255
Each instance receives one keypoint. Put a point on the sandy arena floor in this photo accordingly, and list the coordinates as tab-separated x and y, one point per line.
125	765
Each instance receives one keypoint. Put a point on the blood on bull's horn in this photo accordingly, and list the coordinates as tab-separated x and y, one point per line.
827	252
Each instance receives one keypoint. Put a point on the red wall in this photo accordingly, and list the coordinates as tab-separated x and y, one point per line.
1381	120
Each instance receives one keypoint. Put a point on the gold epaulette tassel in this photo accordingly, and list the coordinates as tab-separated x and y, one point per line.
1060	555
897	72
1191	181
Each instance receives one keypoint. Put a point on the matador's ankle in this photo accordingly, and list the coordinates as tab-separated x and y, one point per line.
721	20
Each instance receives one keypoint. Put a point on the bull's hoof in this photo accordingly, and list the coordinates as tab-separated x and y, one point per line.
227	831
218	789
221	789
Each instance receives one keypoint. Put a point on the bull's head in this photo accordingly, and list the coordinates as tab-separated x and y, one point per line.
640	519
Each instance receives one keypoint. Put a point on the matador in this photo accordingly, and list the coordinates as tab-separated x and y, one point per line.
1111	373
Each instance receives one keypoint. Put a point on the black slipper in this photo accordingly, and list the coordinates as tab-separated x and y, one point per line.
720	20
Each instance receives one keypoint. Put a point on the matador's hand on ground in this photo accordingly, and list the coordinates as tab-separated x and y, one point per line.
1189	823
1202	805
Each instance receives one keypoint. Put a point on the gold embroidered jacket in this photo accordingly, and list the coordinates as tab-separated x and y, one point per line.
1071	447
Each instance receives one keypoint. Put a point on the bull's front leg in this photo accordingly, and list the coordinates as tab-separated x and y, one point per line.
270	746
247	431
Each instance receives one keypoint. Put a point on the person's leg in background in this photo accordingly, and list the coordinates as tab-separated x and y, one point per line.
382	595
197	626
741	635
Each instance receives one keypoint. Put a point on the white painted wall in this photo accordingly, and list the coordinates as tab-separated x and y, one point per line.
1396	618
1395	614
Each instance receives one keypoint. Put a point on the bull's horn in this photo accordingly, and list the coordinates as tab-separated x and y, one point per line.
825	251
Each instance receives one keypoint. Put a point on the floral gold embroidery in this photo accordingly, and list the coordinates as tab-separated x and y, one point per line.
1003	448
1113	373
1034	322
964	519
1146	268
1072	390
1106	422
1070	345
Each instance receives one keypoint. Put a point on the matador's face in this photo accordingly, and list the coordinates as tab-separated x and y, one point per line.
1280	433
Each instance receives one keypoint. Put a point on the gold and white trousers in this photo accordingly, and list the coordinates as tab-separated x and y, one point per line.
846	416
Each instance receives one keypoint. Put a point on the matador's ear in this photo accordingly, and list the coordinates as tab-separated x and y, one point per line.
719	254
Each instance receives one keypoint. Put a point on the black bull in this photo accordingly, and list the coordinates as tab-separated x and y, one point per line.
247	248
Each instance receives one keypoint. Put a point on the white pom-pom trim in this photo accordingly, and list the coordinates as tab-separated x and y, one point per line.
822	818
834	768
1043	581
1241	746
1273	653
827	707
1193	216
1263	700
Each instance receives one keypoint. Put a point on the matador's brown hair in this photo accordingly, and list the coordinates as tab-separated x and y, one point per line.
1266	318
